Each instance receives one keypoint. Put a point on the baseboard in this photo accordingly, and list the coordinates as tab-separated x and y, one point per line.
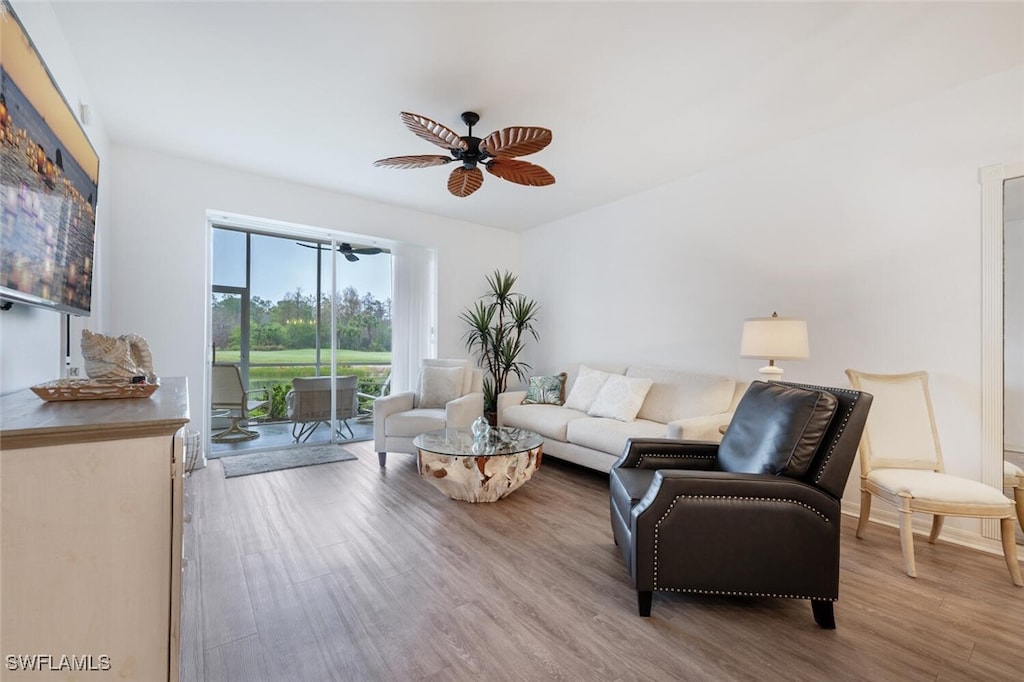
922	526
1015	449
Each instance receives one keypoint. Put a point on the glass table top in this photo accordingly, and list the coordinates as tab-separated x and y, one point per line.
460	443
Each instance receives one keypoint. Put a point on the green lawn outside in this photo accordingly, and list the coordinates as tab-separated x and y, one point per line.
307	356
371	369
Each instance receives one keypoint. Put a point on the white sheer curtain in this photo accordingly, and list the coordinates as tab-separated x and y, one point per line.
413	313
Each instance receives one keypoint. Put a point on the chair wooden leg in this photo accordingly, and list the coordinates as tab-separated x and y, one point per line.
1010	550
936	528
382	457
643	602
907	542
824	615
865	512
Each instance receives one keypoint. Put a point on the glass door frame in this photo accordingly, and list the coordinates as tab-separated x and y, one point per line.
250	225
244	309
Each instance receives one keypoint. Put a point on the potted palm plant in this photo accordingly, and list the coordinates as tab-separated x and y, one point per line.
499	324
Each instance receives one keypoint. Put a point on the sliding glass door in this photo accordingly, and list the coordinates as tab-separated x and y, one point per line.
284	306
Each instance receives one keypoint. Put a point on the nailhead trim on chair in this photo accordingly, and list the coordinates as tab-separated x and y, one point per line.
745	498
736	593
842	427
671	456
839	433
668	511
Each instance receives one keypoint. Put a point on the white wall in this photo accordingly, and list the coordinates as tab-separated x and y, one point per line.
871	232
31	343
158	259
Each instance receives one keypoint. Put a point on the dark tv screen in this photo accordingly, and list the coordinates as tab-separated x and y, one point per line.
49	174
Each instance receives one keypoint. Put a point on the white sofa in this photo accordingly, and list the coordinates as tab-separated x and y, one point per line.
679	404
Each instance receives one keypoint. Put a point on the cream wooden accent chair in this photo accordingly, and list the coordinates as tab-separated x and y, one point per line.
901	463
228	393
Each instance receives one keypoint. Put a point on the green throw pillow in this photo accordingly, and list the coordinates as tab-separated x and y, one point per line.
546	390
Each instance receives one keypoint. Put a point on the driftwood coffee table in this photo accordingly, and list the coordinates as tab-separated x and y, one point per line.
478	471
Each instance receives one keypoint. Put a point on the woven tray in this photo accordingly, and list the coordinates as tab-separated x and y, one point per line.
89	389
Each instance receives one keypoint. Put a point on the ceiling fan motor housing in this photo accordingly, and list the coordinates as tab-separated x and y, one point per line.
472	154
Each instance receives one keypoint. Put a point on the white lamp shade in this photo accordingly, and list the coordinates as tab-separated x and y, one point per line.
774	338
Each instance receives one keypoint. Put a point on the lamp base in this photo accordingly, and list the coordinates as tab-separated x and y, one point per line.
771	373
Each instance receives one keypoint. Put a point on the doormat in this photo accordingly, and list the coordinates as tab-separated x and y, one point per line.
287	458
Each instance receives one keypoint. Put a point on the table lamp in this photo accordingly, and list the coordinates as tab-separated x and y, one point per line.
774	338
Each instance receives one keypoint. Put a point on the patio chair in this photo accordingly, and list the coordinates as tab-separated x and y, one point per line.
229	393
366	416
309	404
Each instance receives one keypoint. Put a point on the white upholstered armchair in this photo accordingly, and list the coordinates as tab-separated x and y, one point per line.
449	395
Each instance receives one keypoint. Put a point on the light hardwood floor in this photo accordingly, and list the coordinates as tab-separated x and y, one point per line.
347	571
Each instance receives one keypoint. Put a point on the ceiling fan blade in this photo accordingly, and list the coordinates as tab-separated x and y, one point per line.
464	181
367	250
516	141
520	172
416	161
350	257
433	132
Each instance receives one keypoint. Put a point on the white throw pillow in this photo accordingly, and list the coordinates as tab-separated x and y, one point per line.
585	389
439	386
620	397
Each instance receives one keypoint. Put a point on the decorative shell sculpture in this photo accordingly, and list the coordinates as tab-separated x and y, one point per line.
117	359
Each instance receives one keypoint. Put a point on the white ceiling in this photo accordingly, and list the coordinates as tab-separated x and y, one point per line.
636	94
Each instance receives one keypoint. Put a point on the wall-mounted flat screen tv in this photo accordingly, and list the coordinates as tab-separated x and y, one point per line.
49	175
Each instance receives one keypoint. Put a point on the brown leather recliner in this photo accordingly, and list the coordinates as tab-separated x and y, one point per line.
757	514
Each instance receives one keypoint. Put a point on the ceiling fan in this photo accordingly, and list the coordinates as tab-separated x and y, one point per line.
497	153
347	250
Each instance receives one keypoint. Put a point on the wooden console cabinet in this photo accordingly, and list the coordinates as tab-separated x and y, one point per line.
90	536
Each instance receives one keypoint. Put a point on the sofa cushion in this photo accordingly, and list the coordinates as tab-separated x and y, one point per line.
776	430
439	385
414	422
679	395
547	390
586	387
940	487
610	435
550	421
620	397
